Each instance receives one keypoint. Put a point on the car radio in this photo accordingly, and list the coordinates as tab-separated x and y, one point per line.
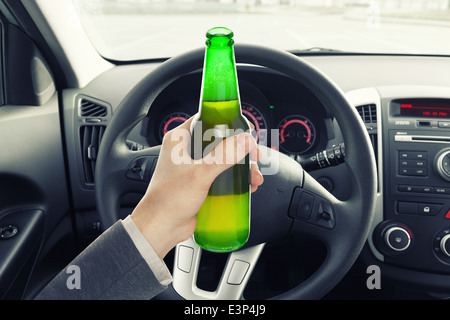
415	232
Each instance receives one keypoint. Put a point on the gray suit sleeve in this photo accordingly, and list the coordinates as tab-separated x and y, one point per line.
111	268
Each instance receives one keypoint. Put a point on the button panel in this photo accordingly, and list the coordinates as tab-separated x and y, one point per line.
417	196
425	209
413	163
312	209
423	189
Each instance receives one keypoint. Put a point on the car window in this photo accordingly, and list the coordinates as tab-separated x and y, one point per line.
145	29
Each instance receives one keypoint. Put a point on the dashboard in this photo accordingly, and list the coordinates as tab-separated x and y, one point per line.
286	116
404	102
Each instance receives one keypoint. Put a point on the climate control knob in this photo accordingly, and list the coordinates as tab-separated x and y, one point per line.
393	238
441	245
445	245
442	164
397	238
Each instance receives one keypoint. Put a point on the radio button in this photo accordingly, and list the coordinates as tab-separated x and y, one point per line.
444	124
427	189
421	163
419	155
429	209
441	190
405	171
412	171
413	163
421	172
405	188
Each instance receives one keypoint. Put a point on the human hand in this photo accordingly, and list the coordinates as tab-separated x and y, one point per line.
166	215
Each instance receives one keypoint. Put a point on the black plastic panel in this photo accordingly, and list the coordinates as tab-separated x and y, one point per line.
19	252
416	195
28	79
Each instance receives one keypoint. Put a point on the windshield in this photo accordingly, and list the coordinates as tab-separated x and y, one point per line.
147	29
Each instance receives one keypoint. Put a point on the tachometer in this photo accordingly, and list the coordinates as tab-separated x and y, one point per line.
297	134
172	121
257	119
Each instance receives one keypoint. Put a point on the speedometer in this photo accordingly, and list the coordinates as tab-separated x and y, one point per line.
297	134
172	121
257	119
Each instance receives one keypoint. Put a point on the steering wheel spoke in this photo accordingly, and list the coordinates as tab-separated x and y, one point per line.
317	212
139	167
235	276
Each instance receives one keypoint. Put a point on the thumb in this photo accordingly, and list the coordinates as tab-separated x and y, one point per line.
229	152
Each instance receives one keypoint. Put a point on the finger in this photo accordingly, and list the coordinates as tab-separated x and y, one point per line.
180	135
176	143
255	154
181	130
229	152
186	125
256	178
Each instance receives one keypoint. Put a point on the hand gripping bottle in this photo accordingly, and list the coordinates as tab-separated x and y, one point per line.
223	222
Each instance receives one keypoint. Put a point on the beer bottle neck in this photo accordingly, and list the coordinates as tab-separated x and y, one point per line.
219	82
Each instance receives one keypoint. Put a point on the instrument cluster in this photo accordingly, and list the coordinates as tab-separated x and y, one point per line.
289	120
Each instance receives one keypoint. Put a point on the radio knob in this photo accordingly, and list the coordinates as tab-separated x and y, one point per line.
397	238
445	245
443	164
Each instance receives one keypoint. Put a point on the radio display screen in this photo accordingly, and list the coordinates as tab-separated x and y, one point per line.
424	108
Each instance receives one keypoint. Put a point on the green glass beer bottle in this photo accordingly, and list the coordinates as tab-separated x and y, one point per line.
223	222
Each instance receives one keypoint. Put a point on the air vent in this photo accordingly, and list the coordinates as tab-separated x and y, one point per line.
92	109
368	113
90	137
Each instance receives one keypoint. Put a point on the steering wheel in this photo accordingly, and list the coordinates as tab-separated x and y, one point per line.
278	206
